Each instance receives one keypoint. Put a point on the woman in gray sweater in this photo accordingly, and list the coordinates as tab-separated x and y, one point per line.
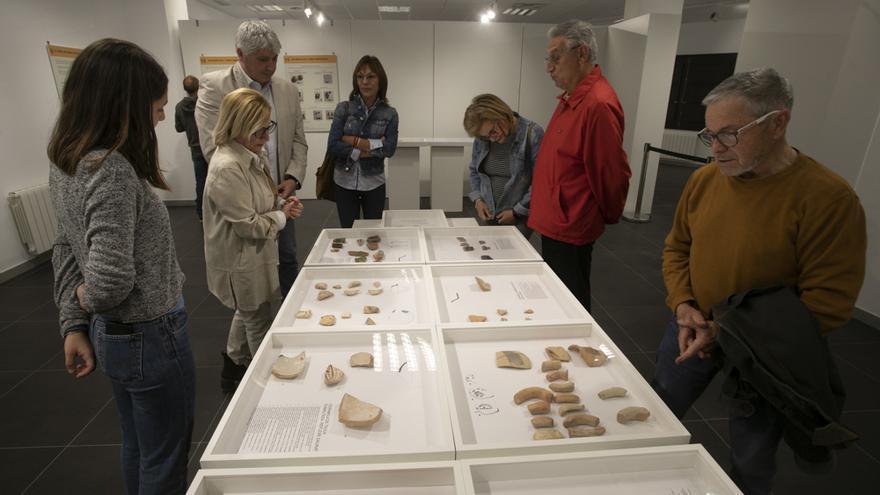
117	282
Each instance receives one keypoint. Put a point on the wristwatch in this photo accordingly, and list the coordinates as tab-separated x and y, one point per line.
294	179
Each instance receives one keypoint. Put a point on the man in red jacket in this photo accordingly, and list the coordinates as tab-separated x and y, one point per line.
581	175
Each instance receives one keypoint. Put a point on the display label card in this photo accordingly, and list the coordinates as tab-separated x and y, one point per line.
529	289
278	429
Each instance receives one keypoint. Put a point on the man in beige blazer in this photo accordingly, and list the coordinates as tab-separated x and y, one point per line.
257	47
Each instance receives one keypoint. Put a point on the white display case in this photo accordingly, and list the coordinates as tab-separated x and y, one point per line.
433	478
527	292
414	218
406	298
679	470
486	421
500	243
399	246
272	421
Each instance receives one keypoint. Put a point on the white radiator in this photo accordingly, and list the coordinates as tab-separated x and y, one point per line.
684	142
35	218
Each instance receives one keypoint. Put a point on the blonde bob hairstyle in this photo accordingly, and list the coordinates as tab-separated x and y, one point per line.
486	107
243	112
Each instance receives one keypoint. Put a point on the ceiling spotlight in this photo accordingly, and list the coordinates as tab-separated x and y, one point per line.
308	12
484	18
320	18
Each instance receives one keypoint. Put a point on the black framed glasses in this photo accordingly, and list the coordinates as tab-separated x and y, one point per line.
265	131
729	139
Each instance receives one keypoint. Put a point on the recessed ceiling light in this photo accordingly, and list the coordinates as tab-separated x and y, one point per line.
394	9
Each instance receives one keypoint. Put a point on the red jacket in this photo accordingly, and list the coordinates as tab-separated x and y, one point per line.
581	175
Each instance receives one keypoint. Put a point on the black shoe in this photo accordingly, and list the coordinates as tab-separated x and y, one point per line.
231	374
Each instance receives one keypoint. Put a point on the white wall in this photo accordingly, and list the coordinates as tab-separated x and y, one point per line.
696	38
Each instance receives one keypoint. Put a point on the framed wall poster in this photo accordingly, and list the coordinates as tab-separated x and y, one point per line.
61	59
317	79
210	64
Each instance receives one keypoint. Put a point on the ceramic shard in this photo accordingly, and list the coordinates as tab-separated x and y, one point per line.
304	314
333	375
484	286
610	393
374	238
378	256
356	413
580	419
345	315
633	413
339	240
543	422
354	283
360	259
324	294
557	375
361	360
562	387
360	242
358	254
374	292
372	246
569	408
371	310
539	407
585	431
351	292
467	248
593	357
476	318
337	246
369	322
461	239
557	352
334	250
566	398
377	284
337	286
530	393
321	286
512	359
551	365
503	318
327	320
501	312
485	257
287	368
547	434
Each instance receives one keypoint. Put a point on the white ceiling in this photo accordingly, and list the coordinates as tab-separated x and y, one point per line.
599	12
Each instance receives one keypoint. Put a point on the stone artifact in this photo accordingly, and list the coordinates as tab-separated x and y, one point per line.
562	387
503	318
360	259
337	246
356	413
539	407
484	286
339	240
593	357
304	314
569	408
351	292
557	352
633	413
287	368
327	320
566	398
358	254
374	292
371	310
585	431
333	375
334	250
485	257
374	238
337	286
461	239
543	422
377	284
369	322
361	360
610	393
345	315
476	318
467	248
580	419
529	311
551	365
501	312
528	318
485	248
324	294
512	359
372	246
321	286
354	283
481	242
558	375
378	256
360	242
547	434
530	393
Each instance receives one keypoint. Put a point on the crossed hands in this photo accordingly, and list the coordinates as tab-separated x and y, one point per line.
292	207
696	335
506	217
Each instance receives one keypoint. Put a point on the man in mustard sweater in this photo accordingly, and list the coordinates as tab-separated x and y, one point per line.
763	214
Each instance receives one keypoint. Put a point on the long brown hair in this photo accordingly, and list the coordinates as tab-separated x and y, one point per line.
107	103
371	62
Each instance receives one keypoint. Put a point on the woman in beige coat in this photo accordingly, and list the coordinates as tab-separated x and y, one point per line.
242	217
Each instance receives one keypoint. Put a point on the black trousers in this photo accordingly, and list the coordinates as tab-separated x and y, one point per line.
349	204
571	263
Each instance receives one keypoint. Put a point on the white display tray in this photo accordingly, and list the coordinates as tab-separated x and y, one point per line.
414	218
400	245
679	470
516	288
405	301
502	243
272	422
433	478
485	420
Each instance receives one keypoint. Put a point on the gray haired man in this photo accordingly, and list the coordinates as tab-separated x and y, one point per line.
257	47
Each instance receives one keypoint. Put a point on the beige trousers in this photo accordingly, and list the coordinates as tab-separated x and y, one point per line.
247	331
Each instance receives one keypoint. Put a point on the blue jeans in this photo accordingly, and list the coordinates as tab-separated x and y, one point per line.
288	266
755	427
200	167
151	368
349	204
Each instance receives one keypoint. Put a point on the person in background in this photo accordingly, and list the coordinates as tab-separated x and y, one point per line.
244	214
185	121
362	135
503	158
762	214
117	283
582	175
257	47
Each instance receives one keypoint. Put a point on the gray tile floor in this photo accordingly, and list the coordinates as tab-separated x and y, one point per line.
58	435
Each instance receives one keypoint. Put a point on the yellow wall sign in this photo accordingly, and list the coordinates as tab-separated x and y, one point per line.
61	59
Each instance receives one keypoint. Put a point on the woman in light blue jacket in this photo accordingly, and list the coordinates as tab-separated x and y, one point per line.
504	153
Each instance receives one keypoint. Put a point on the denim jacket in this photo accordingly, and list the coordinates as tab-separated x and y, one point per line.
518	190
351	119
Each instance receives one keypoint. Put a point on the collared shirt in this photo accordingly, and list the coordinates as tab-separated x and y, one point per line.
582	175
272	143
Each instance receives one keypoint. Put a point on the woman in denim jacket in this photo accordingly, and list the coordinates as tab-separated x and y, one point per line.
504	153
363	134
